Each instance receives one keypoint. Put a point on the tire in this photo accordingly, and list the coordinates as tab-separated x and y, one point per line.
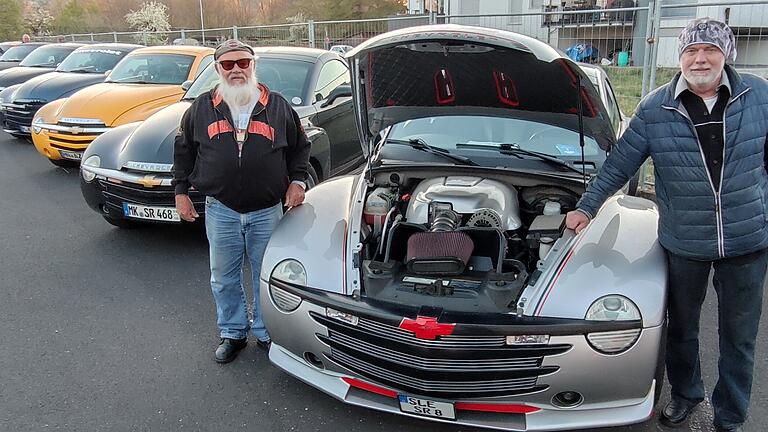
121	223
63	163
660	365
312	178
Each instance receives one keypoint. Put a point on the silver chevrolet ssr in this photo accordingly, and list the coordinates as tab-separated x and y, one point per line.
440	282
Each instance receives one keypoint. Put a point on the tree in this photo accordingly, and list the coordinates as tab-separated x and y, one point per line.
38	20
11	22
151	18
77	16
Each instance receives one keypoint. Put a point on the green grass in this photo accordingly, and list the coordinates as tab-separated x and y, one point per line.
627	83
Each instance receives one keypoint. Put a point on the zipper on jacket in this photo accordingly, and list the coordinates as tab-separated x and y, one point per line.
716	192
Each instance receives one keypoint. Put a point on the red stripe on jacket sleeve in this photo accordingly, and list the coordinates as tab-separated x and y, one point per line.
219	127
262	129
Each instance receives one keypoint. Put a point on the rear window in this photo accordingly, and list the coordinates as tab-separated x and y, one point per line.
153	69
18	52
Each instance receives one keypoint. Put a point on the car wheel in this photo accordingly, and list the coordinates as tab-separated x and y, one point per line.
660	365
312	179
121	223
63	163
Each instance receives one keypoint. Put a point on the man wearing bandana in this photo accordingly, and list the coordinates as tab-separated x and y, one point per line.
706	133
244	148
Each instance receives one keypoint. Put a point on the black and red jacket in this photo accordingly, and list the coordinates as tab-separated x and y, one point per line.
275	152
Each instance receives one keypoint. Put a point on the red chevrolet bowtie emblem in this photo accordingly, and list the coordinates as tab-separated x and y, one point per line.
426	327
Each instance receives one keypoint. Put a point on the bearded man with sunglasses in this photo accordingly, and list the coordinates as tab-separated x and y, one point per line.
244	148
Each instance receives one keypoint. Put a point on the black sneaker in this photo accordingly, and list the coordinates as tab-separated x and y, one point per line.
264	344
228	349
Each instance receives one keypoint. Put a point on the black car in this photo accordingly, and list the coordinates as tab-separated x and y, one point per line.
86	66
126	172
40	61
15	52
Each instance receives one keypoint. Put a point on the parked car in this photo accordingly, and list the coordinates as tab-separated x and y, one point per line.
142	83
86	66
15	53
4	46
440	283
126	173
43	59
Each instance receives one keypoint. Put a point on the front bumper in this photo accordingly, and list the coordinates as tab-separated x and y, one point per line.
64	141
617	389
111	188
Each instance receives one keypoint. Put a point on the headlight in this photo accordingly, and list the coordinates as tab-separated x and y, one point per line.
290	271
35	124
92	161
613	308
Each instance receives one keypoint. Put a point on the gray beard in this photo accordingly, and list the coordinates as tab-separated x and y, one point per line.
238	95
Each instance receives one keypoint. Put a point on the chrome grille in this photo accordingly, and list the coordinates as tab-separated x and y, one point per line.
162	196
444	342
486	365
456	366
20	114
423	386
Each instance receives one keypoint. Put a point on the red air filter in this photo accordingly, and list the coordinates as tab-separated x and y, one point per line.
439	253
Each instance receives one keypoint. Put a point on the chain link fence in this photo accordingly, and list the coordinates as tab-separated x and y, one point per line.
635	41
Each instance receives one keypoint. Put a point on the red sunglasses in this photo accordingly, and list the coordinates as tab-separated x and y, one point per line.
228	65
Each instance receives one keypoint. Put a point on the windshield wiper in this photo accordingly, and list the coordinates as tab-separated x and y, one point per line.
88	69
420	144
42	65
515	150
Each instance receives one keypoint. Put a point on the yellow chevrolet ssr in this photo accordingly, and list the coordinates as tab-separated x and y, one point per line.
145	81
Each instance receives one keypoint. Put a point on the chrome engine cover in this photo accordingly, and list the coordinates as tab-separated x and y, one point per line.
468	196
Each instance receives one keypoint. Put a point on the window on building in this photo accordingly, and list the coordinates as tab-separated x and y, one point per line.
681	13
515	7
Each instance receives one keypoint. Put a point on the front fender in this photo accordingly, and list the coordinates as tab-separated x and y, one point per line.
108	145
321	150
315	234
618	253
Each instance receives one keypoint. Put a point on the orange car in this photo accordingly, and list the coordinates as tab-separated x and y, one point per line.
145	81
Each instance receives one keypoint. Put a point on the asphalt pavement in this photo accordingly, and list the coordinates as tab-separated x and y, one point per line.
105	329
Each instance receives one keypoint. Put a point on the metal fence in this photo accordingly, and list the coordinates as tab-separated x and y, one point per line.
634	40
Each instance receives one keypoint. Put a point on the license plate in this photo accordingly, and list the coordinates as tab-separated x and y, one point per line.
426	407
70	155
167	214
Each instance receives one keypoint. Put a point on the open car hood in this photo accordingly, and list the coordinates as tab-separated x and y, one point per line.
450	69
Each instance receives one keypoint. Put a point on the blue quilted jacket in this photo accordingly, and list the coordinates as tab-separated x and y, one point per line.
695	220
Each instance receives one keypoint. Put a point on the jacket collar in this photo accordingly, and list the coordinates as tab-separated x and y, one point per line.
737	85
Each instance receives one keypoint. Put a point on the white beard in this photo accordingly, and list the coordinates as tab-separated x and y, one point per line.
239	94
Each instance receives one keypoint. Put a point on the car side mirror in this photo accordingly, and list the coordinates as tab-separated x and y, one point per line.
186	85
338	92
107	73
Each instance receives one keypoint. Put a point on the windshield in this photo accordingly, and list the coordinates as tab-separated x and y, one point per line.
47	56
91	60
447	131
153	69
18	52
287	77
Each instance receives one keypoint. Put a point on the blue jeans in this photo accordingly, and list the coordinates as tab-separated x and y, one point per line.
738	282
232	236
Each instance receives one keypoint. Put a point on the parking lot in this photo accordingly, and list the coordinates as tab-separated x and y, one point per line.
113	330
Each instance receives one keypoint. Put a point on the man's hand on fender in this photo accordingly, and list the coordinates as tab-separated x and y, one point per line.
294	196
576	221
185	208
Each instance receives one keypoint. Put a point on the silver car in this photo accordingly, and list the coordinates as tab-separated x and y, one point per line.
440	282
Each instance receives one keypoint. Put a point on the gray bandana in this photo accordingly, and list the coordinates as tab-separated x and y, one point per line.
709	31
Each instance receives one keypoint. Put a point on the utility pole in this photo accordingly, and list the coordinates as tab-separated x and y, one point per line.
202	23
